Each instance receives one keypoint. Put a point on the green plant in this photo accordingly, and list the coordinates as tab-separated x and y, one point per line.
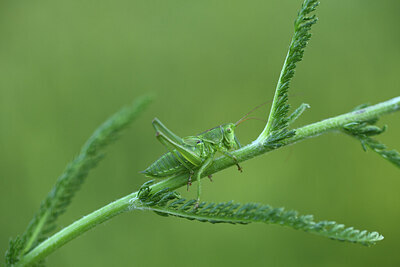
35	244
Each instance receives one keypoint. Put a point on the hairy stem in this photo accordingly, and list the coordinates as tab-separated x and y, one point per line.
252	150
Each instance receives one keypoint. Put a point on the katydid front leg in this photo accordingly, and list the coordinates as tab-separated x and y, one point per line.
226	153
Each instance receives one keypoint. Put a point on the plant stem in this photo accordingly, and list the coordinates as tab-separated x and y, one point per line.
338	122
76	229
250	151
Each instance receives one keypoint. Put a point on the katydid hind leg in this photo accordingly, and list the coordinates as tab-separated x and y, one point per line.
170	146
207	163
159	127
173	146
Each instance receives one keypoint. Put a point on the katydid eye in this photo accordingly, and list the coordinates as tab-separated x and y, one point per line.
229	130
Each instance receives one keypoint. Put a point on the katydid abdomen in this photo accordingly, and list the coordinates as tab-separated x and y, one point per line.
167	165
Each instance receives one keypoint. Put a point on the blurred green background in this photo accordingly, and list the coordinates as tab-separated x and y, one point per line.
65	66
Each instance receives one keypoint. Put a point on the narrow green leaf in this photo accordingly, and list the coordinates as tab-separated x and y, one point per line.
297	113
71	179
278	117
364	131
235	213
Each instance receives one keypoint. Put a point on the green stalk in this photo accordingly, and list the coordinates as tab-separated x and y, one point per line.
256	148
76	229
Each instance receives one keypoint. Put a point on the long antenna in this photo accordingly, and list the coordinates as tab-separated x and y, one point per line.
250	118
251	111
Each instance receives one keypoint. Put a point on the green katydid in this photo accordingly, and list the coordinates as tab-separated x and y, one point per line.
193	154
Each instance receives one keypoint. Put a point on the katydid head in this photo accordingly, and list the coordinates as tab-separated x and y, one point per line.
230	141
229	136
